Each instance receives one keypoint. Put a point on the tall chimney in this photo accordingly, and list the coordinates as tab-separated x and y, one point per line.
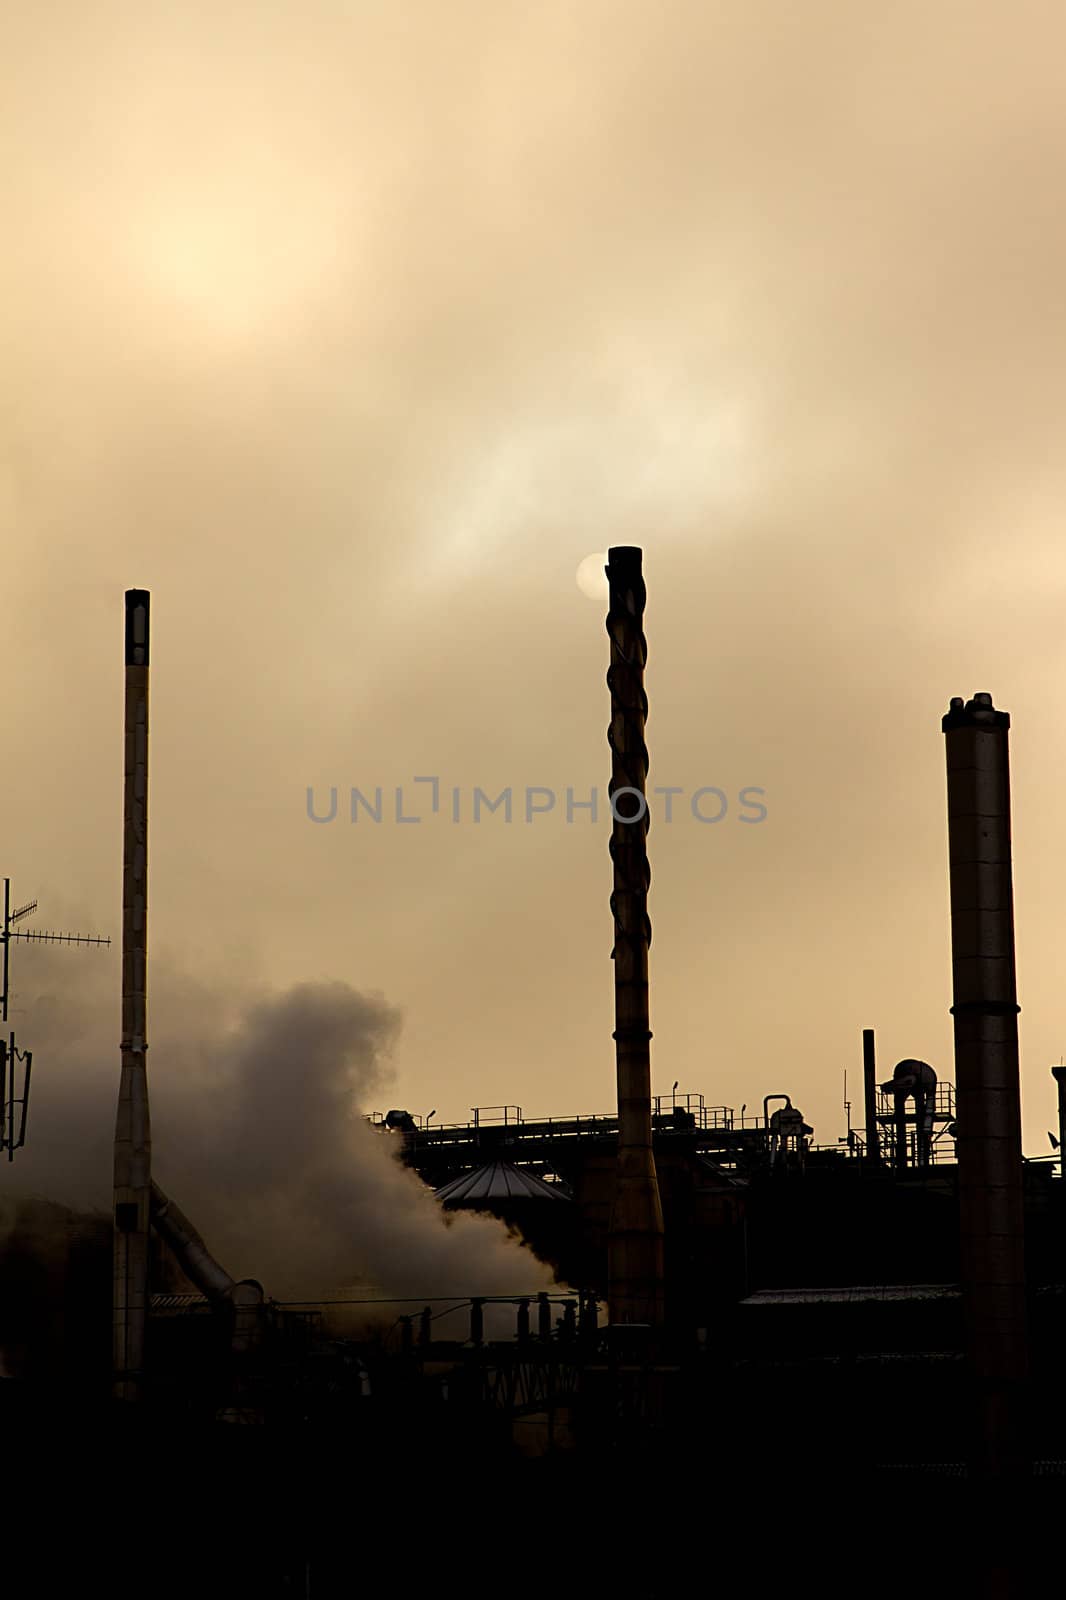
133	1142
869	1093
988	1119
635	1243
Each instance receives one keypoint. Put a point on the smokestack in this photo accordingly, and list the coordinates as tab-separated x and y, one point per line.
133	1143
985	1015
869	1086
635	1242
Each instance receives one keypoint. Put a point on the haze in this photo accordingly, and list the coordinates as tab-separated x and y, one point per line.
350	330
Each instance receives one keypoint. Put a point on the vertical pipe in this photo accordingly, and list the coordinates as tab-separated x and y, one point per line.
1059	1075
7	944
924	1107
635	1241
133	1146
899	1103
985	1013
869	1086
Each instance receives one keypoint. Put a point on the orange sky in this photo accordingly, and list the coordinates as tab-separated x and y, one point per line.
351	329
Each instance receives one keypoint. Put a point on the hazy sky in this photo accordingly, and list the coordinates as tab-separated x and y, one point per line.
350	330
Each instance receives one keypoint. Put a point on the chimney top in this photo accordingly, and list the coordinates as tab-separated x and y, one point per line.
978	712
137	608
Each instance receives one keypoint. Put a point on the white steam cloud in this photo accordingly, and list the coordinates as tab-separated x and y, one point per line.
259	1133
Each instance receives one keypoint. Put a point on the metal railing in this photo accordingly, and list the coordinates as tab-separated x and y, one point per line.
943	1102
705	1118
495	1115
683	1112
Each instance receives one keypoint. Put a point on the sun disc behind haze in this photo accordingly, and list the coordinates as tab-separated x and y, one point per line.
236	253
592	577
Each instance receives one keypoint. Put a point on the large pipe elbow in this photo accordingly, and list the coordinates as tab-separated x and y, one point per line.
172	1225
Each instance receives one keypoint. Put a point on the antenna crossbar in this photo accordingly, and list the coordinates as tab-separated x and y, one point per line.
13	1105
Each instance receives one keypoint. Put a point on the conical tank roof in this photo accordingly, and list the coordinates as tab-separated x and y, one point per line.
498	1181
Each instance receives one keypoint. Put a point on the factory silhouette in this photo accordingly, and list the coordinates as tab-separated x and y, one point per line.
689	1268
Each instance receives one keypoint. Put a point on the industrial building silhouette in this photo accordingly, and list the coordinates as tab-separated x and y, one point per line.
721	1275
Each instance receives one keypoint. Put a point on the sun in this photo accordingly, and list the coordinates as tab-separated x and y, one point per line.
592	577
234	258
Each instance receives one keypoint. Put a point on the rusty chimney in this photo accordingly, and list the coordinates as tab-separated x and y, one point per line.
985	1013
635	1242
133	1142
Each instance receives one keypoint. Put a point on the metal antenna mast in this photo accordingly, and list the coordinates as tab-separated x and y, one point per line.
13	1104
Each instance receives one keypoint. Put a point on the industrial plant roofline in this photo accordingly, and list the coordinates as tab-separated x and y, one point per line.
683	1111
670	1112
737	1142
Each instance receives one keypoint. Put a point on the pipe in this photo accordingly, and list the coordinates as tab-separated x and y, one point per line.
985	1013
1059	1075
133	1140
197	1262
635	1239
772	1139
899	1124
924	1115
766	1107
869	1086
244	1297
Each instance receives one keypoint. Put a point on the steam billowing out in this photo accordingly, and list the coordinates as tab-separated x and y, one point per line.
259	1134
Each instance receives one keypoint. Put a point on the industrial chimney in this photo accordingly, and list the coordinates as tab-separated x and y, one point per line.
635	1242
985	1016
869	1092
133	1144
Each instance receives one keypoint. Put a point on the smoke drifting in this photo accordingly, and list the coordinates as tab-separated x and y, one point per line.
259	1135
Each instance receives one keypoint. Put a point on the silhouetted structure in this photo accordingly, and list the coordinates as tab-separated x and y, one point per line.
985	1013
874	1281
133	1138
635	1291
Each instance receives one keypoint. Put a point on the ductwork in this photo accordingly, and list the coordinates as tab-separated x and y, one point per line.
243	1296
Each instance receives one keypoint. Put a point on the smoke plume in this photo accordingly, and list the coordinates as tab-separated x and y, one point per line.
259	1133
